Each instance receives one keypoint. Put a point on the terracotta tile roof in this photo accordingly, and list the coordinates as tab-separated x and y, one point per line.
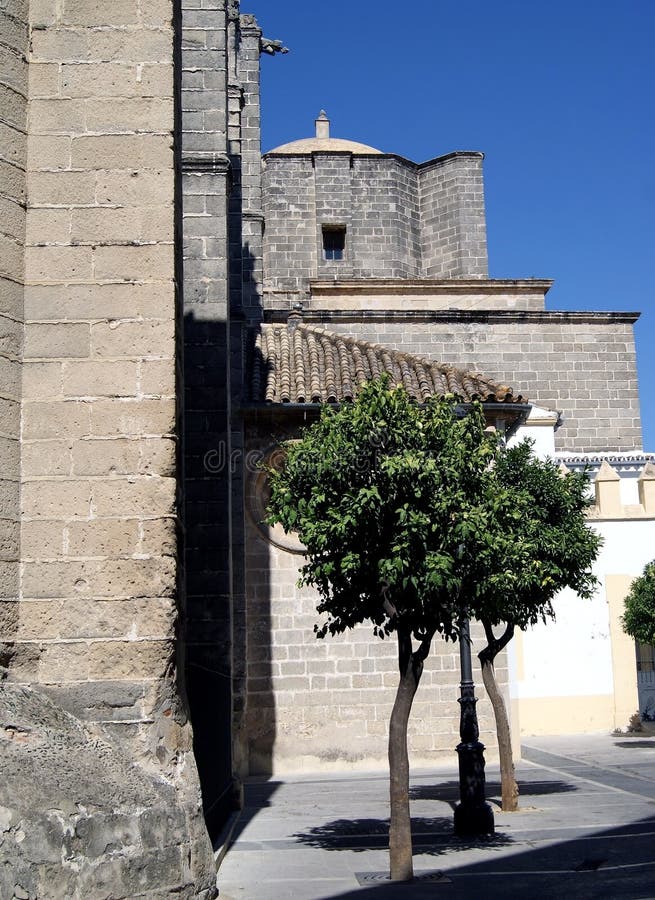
299	363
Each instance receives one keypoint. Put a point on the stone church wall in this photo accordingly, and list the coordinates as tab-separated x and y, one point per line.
583	364
402	220
453	226
101	776
98	581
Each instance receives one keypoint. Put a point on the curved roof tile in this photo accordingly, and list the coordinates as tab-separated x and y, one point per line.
299	363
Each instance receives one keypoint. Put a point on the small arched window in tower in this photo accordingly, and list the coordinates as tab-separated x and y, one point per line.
334	241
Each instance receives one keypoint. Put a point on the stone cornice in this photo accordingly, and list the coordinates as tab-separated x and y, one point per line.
492	316
205	163
419	286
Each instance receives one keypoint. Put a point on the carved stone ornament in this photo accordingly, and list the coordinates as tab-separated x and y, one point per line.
233	10
266	45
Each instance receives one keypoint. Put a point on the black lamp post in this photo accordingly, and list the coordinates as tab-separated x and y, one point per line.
473	815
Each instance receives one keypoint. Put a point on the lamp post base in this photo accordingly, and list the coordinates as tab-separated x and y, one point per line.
473	815
473	821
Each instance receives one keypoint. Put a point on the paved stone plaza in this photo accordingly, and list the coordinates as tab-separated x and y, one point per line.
585	830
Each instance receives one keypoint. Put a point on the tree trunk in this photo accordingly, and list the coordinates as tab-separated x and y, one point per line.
410	665
509	787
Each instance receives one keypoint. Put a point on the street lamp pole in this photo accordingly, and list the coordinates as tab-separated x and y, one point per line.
473	815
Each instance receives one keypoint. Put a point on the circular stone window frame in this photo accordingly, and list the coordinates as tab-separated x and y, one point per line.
257	501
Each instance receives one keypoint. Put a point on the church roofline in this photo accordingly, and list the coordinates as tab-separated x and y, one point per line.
287	150
299	363
280	314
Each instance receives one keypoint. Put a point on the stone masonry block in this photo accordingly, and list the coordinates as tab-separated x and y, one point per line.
147	338
117	456
158	13
61	663
127	115
94	13
10	339
9	581
44	79
139	46
13	219
129	578
143	496
114	418
46	458
42	539
50	420
129	659
48	226
59	44
48	151
55	499
75	618
122	151
90	378
113	79
58	264
157	456
97	301
55	116
152	261
103	537
11	257
13	144
158	536
135	188
157	377
57	340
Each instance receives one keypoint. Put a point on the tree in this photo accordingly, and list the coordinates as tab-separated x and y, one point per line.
542	544
414	516
638	620
384	494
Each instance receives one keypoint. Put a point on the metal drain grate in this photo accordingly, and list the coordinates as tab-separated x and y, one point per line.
383	877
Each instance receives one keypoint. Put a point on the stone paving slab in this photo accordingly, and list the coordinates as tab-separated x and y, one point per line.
586	829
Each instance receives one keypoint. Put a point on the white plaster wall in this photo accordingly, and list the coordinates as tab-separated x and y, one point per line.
572	656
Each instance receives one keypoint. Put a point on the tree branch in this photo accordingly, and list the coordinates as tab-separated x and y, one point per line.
424	647
404	649
494	644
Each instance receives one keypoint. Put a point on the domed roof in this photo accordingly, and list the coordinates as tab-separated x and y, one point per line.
323	143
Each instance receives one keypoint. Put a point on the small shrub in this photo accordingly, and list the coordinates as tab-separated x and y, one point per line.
634	725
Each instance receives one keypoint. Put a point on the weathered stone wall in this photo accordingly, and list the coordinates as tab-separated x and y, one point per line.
95	623
13	152
98	580
583	364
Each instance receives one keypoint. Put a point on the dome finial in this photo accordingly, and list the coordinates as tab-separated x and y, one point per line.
322	126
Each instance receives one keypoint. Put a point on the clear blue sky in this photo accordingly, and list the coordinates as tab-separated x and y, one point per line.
558	95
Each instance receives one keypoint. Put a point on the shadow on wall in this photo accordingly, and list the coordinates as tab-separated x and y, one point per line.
225	627
206	621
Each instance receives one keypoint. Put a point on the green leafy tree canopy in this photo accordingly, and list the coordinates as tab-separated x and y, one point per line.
383	494
639	616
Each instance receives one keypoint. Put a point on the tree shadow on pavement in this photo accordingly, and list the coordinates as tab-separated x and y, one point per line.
614	862
448	791
431	836
636	743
